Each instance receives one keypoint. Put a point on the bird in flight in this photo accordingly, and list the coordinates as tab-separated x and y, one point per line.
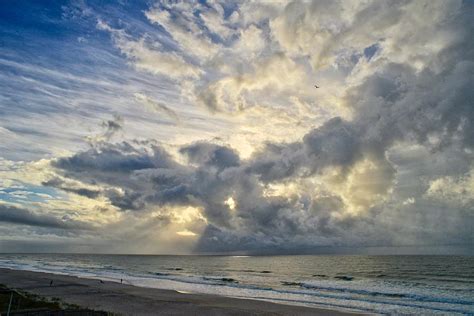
316	86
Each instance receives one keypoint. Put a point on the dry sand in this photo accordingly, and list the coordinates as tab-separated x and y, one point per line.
131	300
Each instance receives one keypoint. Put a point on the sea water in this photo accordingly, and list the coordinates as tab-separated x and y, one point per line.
377	284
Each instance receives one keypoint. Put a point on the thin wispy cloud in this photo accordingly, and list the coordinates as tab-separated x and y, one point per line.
154	106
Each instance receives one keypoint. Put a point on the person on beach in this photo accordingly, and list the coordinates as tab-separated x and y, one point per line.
51	283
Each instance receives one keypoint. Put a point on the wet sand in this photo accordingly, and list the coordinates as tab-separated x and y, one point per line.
131	300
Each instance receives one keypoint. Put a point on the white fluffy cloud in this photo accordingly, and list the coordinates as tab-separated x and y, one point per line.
149	59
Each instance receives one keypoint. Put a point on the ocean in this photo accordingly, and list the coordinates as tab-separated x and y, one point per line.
377	284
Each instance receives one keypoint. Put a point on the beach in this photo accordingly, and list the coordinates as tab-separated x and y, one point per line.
354	284
132	300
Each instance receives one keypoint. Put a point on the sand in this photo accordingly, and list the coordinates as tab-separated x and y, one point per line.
131	300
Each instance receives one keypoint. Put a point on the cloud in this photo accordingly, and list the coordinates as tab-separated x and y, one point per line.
276	73
111	128
348	156
203	153
156	106
185	28
151	60
356	190
60	184
322	29
454	190
381	154
15	215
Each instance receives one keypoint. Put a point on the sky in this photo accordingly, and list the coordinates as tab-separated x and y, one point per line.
196	127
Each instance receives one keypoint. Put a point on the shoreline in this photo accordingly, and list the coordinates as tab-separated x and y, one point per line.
128	299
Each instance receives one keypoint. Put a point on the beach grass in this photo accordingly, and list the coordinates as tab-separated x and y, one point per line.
19	302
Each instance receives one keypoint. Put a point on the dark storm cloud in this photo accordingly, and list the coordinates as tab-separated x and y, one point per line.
113	126
92	194
277	161
257	220
117	165
128	200
110	129
336	143
60	184
204	153
112	159
21	216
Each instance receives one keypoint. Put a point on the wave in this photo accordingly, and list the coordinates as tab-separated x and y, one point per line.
320	275
296	294
290	283
249	271
218	279
415	297
412	300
